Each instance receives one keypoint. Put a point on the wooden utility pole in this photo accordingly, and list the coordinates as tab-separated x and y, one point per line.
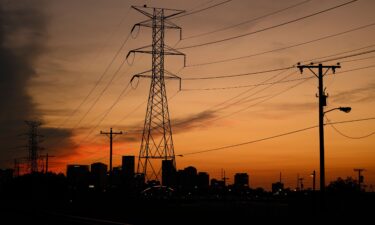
110	135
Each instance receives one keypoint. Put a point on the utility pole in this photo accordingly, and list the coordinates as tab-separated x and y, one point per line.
16	168
110	135
322	102
301	183
297	187
33	145
360	178
157	142
313	176
224	178
48	156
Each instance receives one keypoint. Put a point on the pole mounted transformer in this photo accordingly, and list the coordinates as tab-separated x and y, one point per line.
157	141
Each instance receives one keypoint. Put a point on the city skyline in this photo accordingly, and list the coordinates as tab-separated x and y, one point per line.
72	46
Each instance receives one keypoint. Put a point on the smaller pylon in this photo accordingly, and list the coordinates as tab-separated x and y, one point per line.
33	145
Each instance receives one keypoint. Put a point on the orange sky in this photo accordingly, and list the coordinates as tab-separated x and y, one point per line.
83	36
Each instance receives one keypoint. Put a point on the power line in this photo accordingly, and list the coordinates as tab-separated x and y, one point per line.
249	142
347	136
247	21
107	112
257	103
246	91
97	82
272	96
242	100
283	48
271	137
347	56
246	97
204	9
272	70
244	86
100	95
267	28
127	115
339	53
355	69
199	5
239	75
351	137
350	121
355	60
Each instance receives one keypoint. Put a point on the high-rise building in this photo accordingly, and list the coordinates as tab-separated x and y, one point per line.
168	173
203	181
277	187
128	166
78	176
188	178
99	175
241	180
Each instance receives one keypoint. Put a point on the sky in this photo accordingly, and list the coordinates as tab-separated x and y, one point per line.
63	63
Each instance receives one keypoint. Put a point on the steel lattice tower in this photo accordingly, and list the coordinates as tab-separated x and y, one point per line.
33	145
157	141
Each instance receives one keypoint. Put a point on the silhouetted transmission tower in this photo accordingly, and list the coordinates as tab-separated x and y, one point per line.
33	145
157	142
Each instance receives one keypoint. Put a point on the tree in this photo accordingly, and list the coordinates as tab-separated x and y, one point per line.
349	185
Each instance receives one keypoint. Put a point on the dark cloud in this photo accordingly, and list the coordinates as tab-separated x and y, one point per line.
364	94
180	125
23	33
193	122
284	110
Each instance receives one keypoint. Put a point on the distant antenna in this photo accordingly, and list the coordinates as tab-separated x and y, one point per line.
360	177
224	178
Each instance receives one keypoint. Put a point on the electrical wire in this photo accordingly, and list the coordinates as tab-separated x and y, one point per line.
339	53
257	103
244	99
264	71
267	28
247	21
244	86
96	83
239	75
248	142
355	60
100	95
347	56
202	4
201	10
283	48
107	112
347	136
271	137
289	88
246	91
355	69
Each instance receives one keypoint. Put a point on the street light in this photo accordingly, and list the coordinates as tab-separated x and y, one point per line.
343	109
321	138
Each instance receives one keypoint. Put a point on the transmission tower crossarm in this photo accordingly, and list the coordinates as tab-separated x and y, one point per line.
148	50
